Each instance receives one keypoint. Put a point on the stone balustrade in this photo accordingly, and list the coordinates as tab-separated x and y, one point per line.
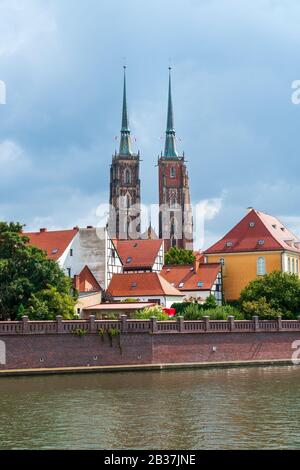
125	325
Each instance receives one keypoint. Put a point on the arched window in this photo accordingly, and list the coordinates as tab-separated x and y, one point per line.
261	266
172	172
127	176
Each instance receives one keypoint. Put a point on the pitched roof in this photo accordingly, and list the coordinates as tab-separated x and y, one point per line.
257	231
86	281
54	242
137	284
184	277
138	253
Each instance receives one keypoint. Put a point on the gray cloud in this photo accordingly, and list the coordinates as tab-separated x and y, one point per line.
233	67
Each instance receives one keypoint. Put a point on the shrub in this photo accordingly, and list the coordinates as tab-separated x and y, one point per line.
192	312
147	313
281	292
261	309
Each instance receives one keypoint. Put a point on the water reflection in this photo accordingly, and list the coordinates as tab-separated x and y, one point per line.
195	409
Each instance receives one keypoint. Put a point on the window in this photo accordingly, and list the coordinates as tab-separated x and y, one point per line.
127	176
261	242
54	251
71	252
293	265
129	259
289	265
297	266
222	261
69	272
228	244
251	224
172	172
261	266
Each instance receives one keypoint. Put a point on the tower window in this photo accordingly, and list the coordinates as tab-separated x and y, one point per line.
127	176
172	172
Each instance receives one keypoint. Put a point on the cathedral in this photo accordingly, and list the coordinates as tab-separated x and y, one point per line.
175	213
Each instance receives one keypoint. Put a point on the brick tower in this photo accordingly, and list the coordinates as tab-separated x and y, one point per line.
175	214
124	219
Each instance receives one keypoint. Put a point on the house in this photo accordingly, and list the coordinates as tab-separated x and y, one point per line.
144	287
141	255
256	245
88	288
197	281
74	249
101	311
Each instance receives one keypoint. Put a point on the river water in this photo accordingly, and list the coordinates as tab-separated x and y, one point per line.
243	408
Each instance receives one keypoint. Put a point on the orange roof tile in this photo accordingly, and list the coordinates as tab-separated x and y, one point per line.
135	285
185	276
53	242
256	232
138	253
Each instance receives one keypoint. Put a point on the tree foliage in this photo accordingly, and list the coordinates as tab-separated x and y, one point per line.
179	256
274	294
30	283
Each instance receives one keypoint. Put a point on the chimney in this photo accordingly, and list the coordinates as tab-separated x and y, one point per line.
196	264
43	230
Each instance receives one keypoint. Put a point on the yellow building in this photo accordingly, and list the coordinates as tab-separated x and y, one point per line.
257	245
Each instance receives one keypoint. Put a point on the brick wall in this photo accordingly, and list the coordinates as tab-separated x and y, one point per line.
52	344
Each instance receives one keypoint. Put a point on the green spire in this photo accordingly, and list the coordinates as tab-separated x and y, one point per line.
125	142
170	145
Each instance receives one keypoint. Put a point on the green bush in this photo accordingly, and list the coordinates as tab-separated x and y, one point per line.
179	256
261	309
192	312
280	291
147	313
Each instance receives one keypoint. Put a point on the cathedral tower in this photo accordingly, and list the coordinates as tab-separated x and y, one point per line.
124	219
175	214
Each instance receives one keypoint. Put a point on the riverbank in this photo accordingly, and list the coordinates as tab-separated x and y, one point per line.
143	367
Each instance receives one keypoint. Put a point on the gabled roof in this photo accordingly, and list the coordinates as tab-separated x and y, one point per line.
86	281
257	231
135	285
184	277
54	243
138	253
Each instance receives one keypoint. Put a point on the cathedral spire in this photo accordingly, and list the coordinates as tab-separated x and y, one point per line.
125	142
170	145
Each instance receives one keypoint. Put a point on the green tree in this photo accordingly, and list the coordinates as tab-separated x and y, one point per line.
280	291
25	272
210	302
179	256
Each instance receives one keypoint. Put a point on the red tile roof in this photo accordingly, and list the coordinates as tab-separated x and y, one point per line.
54	243
86	281
189	280
135	285
256	232
138	253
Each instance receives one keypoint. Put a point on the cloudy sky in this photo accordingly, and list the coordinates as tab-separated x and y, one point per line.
233	65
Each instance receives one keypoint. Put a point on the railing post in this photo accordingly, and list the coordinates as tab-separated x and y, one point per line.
59	324
153	324
279	323
256	324
123	323
25	326
206	322
231	322
92	319
180	321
